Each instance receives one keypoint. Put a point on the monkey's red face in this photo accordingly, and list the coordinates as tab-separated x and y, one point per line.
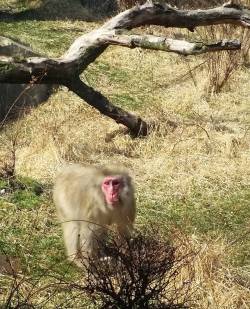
111	187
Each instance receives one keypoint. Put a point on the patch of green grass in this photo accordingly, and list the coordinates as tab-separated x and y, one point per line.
17	185
225	215
25	199
119	75
126	100
103	68
114	77
30	184
9	247
29	228
34	239
45	9
3	183
219	216
45	38
14	6
216	214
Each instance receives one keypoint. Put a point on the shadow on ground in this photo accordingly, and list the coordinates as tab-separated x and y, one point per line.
84	10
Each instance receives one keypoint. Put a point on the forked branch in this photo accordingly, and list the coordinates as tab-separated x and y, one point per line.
85	49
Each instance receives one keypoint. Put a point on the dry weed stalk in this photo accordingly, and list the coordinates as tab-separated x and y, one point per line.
8	167
221	66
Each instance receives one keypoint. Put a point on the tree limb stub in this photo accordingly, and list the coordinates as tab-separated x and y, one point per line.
135	124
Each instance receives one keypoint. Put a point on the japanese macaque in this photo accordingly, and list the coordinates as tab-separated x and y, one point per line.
88	199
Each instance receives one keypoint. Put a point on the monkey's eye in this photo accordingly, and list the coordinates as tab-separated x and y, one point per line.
112	181
107	182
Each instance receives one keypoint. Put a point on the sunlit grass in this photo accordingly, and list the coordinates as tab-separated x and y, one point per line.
191	173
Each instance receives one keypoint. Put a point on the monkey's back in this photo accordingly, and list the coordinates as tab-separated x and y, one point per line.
75	188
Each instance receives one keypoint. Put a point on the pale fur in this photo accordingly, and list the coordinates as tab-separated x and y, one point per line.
83	212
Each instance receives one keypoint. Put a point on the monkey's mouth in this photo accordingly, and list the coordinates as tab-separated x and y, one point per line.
112	199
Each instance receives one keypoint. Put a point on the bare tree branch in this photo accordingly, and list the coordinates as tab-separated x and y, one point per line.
88	46
94	98
165	15
85	49
61	70
170	45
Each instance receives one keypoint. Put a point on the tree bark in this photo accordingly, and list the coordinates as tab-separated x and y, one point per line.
136	125
181	47
167	16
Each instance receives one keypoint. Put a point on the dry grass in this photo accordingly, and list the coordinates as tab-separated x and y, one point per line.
216	285
198	155
199	147
221	66
208	138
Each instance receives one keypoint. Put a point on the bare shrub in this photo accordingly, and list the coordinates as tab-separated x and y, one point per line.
220	66
142	273
146	272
